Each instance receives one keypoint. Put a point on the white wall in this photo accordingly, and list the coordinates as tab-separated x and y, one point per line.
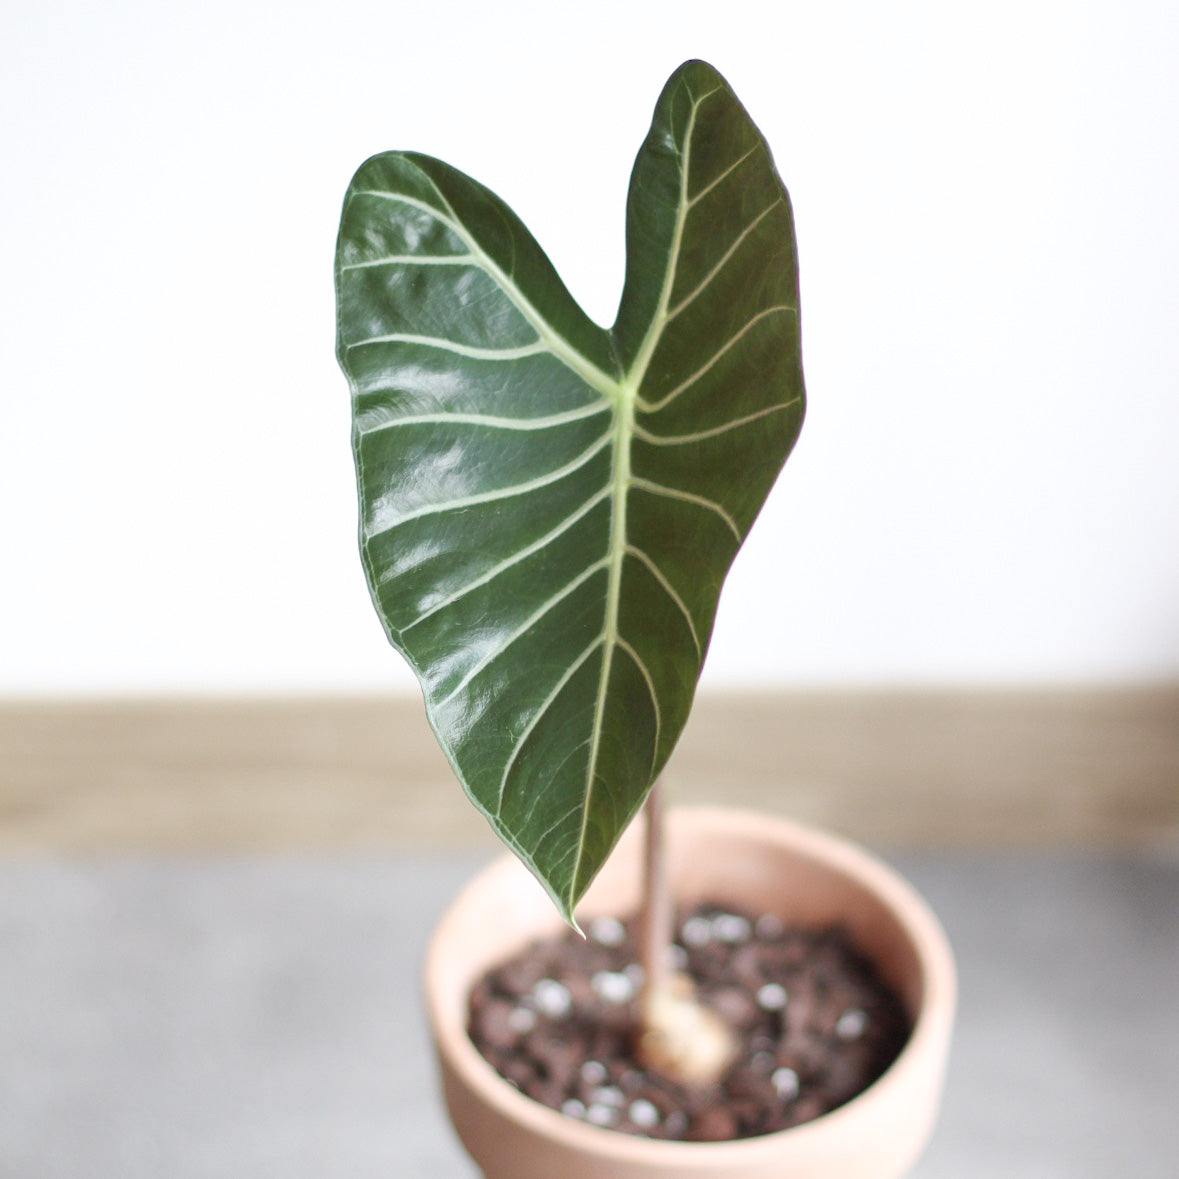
987	196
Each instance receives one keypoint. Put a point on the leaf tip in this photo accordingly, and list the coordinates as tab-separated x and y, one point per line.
698	68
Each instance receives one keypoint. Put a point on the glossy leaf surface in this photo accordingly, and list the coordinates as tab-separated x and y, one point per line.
548	508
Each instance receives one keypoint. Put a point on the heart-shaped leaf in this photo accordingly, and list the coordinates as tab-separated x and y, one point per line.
549	509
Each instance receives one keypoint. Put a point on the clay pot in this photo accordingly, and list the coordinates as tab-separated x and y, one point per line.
742	858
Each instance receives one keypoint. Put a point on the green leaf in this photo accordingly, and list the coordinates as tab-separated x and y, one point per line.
549	509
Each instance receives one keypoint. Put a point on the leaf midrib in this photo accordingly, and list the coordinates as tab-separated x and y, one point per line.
627	397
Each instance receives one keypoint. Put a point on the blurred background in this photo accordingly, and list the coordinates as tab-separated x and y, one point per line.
225	828
986	489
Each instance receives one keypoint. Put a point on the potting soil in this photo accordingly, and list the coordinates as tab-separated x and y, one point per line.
815	1022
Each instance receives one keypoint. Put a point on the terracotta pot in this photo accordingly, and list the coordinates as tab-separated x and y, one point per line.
743	858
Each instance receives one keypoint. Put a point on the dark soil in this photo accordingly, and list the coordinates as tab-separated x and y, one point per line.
816	1025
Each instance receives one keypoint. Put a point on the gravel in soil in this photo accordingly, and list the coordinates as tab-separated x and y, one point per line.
815	1022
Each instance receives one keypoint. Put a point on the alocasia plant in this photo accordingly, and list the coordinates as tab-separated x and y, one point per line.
549	508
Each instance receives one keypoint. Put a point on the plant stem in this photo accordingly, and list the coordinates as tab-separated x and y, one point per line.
678	1036
655	907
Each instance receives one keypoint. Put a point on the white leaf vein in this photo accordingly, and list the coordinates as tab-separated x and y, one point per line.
688	497
703	370
467	501
548	604
508	562
540	713
489	421
561	348
472	352
645	672
717	179
712	431
724	261
543	837
413	260
669	589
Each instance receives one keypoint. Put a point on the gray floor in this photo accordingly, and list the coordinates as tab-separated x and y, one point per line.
260	1017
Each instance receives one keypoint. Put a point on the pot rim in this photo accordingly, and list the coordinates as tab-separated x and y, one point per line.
931	1024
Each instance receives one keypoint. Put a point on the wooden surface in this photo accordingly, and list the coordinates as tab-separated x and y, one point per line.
893	768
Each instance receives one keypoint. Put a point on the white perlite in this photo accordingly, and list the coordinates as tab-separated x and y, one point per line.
552	998
643	1114
601	1115
607	931
609	1095
771	997
785	1082
731	928
768	927
697	931
613	987
852	1024
521	1020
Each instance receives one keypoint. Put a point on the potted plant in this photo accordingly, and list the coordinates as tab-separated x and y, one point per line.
548	512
